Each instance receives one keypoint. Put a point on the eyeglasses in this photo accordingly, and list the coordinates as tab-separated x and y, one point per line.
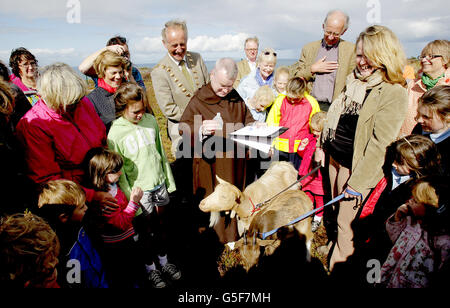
32	64
270	53
251	49
429	57
328	33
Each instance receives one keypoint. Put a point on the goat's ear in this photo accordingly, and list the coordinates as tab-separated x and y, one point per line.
219	180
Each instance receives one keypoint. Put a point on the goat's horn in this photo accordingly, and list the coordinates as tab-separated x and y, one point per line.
254	238
245	237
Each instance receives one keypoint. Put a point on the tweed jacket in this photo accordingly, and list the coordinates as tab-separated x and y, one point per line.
243	70
379	122
173	92
346	60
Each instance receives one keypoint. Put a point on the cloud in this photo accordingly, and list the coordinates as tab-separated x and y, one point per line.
226	42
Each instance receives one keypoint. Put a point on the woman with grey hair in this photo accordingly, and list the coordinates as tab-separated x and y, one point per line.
60	129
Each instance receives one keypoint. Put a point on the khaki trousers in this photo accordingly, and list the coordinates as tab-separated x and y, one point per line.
339	176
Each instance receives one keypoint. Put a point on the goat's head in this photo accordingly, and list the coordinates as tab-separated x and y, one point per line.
224	198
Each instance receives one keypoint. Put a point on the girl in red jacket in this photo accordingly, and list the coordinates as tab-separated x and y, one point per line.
312	185
296	111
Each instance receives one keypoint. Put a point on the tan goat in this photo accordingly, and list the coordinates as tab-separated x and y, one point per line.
277	213
227	197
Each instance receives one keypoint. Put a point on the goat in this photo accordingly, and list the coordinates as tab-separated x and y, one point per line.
227	197
277	213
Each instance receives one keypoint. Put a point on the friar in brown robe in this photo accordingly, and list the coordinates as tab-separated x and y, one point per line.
213	113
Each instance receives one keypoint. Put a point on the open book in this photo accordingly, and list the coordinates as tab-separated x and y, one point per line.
260	138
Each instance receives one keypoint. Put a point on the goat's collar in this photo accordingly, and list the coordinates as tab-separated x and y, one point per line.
255	209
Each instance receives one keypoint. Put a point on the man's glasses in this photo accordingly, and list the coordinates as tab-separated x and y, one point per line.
329	33
429	57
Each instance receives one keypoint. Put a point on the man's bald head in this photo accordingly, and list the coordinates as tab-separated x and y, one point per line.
223	76
335	24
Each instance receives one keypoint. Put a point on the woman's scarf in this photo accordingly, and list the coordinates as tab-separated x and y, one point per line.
350	100
261	82
430	82
102	84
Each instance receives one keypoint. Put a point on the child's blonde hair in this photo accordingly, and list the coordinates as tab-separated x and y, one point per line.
101	162
61	192
59	197
280	70
264	93
296	87
318	121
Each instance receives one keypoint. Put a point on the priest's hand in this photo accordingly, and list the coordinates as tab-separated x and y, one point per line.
209	127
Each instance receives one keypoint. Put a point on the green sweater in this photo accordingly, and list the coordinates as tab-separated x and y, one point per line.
145	163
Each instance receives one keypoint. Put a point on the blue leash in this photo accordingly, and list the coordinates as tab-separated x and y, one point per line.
336	199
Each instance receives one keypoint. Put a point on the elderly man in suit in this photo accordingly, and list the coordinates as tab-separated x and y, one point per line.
327	62
177	76
245	66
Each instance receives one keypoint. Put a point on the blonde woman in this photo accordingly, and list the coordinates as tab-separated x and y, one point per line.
60	129
110	69
361	122
265	65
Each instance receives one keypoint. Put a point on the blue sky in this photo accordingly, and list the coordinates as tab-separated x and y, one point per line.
216	28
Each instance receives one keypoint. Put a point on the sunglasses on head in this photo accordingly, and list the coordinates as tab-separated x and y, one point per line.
269	52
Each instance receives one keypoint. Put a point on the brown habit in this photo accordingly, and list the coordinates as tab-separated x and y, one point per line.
217	155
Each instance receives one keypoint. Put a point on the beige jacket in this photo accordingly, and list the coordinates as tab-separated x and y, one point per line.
379	122
173	92
243	70
346	60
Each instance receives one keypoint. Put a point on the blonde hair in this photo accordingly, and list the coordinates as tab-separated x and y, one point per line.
101	162
296	87
424	193
129	92
383	49
281	70
108	58
60	86
6	99
318	121
267	55
438	100
61	192
440	47
28	251
264	93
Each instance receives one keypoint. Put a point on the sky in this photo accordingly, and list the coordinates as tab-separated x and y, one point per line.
69	30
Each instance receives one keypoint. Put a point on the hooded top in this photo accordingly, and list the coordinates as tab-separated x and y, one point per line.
144	162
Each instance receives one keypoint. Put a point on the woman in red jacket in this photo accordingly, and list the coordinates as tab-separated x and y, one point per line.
59	130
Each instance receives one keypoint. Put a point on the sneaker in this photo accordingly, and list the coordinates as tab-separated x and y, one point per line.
156	280
315	225
172	271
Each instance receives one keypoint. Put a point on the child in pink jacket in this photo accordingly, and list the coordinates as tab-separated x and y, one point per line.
312	185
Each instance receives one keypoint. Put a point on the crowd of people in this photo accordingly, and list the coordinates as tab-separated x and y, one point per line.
90	197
